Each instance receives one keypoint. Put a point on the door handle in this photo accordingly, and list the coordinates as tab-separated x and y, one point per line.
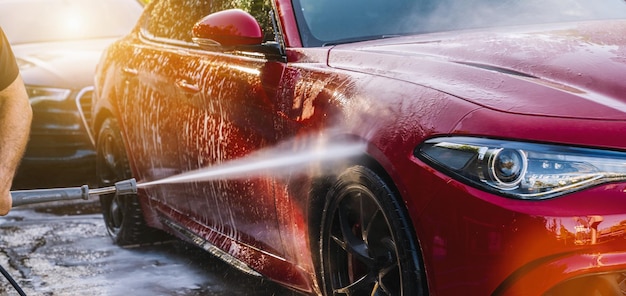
130	71
187	87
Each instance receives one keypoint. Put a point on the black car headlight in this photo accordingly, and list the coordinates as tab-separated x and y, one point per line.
522	170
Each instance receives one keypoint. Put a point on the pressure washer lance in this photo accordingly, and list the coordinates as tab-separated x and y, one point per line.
32	196
26	197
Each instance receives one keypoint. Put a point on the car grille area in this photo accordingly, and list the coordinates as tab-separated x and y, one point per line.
59	151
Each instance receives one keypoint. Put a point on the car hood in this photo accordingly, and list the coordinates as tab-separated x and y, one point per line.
572	70
68	64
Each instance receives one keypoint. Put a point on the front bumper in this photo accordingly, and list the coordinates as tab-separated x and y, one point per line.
576	274
477	243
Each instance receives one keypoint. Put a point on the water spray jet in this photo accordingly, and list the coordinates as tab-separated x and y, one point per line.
276	162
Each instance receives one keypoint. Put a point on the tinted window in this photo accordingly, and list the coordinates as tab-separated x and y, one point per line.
336	21
174	19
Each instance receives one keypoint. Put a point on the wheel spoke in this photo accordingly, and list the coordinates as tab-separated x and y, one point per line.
386	271
378	290
358	287
368	214
383	273
368	224
350	242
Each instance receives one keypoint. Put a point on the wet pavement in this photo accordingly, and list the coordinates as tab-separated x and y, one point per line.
63	249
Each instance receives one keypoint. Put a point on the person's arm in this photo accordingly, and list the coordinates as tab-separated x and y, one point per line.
15	119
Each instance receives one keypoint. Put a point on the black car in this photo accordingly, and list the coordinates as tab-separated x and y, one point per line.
57	44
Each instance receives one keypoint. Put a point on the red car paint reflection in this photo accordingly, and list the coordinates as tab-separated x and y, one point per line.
493	161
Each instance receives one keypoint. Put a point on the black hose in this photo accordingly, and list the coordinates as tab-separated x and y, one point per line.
12	281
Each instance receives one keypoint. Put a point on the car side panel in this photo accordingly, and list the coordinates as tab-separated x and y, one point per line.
227	117
147	108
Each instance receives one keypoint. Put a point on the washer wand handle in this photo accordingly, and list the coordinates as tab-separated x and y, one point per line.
33	196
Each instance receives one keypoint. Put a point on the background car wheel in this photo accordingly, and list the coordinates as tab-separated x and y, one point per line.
367	243
122	214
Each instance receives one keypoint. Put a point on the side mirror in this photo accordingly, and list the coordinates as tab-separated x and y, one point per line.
233	27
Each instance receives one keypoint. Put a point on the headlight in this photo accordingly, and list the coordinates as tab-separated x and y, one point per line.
38	94
522	170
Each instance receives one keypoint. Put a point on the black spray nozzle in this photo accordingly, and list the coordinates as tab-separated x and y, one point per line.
120	188
126	187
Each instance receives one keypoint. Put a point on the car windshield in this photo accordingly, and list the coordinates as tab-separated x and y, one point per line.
324	22
26	21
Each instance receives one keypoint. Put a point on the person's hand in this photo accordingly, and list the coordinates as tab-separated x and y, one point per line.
6	201
15	119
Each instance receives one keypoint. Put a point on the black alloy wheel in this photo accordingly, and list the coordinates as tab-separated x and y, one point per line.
367	242
122	214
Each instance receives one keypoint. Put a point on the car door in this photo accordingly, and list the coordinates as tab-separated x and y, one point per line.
230	116
149	103
200	109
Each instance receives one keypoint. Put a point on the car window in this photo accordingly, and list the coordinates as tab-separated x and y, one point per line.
28	21
174	19
337	21
261	9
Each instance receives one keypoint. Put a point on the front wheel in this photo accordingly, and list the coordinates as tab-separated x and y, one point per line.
367	242
122	214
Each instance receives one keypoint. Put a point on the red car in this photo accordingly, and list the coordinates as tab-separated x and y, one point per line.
483	149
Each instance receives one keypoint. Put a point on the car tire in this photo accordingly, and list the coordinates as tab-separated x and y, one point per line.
123	216
367	245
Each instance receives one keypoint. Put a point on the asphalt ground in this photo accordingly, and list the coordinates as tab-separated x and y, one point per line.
62	248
